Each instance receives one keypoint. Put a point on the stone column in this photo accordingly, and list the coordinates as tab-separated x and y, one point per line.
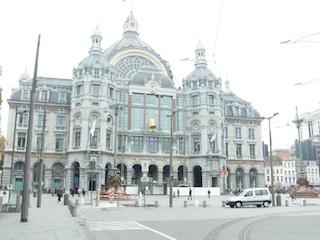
233	181
160	175
67	179
82	180
190	174
129	176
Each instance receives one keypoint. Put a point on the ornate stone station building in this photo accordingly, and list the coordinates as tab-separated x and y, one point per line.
117	111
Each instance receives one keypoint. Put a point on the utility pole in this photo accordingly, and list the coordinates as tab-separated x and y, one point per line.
116	108
26	177
41	149
301	173
271	159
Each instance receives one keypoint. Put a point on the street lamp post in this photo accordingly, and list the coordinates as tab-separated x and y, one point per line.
170	164
270	158
117	107
41	149
26	177
298	121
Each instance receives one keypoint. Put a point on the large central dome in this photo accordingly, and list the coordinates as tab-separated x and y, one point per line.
130	53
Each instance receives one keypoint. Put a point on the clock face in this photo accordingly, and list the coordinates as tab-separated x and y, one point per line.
153	86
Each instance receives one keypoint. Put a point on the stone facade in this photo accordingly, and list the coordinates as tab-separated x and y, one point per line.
118	112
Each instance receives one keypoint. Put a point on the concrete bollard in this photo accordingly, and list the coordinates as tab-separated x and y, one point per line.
74	211
304	202
0	204
77	202
65	199
97	200
204	203
185	204
223	204
18	203
156	203
118	204
136	203
286	202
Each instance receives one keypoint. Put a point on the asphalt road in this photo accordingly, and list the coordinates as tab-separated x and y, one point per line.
199	223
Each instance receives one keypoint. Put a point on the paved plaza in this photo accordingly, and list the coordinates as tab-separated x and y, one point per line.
117	221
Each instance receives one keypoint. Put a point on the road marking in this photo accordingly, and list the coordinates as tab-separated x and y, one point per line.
100	226
155	231
125	225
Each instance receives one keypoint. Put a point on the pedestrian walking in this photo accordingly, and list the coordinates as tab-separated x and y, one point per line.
190	194
209	192
178	193
83	192
59	195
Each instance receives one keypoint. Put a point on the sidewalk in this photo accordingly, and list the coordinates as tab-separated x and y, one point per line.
52	221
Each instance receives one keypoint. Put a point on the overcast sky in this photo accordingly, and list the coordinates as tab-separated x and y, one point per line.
245	42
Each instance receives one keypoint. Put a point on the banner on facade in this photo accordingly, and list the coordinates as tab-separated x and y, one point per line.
5	197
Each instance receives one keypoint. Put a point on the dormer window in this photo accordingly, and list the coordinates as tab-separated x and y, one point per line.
236	111
80	73
25	94
96	73
194	84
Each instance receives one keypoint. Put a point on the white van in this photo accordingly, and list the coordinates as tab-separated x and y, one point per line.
251	196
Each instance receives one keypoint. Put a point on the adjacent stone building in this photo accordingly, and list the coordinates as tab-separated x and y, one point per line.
118	112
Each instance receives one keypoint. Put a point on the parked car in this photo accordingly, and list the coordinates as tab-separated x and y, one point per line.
251	196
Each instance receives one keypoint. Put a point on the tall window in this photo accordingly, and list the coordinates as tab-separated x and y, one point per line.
165	120
152	100
211	100
238	133
182	145
122	97
21	140
95	88
196	144
43	96
226	134
94	139
137	144
152	144
195	100
77	137
62	98
123	118
59	142
78	90
39	138
166	145
252	151
111	92
239	151
40	120
121	143
138	118
23	119
61	122
212	142
137	98
108	140
166	101
251	134
227	150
